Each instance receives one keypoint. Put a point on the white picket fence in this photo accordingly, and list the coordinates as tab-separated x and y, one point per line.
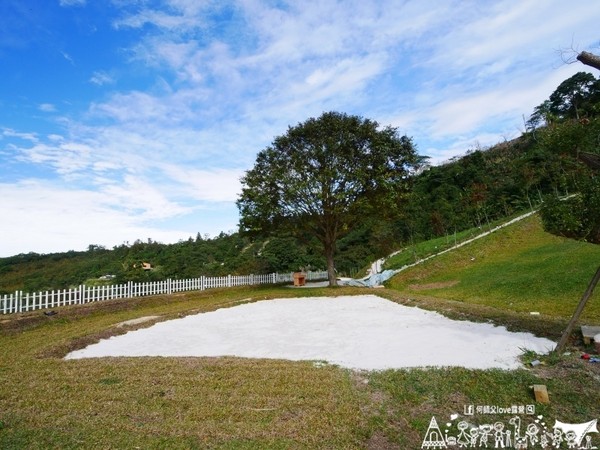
22	302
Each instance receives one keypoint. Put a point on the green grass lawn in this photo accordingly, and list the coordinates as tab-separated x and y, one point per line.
47	402
420	250
519	268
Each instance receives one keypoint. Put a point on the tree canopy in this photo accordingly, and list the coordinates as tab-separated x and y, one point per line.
325	175
576	107
575	98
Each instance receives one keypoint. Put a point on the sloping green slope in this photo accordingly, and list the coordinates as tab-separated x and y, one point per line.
519	268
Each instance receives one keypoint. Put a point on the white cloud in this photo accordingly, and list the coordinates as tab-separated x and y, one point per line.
506	33
68	57
220	185
47	218
10	133
66	158
465	111
134	106
101	78
177	15
139	196
66	3
47	107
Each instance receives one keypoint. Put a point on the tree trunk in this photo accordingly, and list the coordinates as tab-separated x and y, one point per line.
329	253
589	59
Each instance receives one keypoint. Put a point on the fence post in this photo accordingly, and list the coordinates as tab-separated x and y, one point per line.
20	301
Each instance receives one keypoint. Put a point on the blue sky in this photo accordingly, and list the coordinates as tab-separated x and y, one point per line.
135	119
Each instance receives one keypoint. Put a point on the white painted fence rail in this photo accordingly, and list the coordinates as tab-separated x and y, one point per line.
23	302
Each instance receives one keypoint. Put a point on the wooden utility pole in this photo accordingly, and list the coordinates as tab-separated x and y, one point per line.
588	293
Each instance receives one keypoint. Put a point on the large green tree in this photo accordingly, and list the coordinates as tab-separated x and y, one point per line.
324	176
574	97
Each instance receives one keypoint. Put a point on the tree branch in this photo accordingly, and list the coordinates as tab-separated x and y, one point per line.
589	59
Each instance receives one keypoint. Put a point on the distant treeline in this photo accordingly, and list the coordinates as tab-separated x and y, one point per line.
482	186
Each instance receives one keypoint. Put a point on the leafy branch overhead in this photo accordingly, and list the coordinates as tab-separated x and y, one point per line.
323	175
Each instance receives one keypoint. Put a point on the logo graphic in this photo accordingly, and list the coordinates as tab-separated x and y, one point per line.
434	437
499	435
579	429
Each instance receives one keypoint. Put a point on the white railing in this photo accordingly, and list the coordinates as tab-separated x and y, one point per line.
22	302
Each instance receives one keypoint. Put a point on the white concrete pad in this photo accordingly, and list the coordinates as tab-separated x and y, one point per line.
361	332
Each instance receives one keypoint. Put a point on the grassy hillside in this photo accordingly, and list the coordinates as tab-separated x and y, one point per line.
519	268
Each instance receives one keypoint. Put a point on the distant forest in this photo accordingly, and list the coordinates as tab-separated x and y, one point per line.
486	184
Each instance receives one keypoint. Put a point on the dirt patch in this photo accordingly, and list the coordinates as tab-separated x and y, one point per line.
373	403
60	350
136	321
440	285
16	324
378	441
569	365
